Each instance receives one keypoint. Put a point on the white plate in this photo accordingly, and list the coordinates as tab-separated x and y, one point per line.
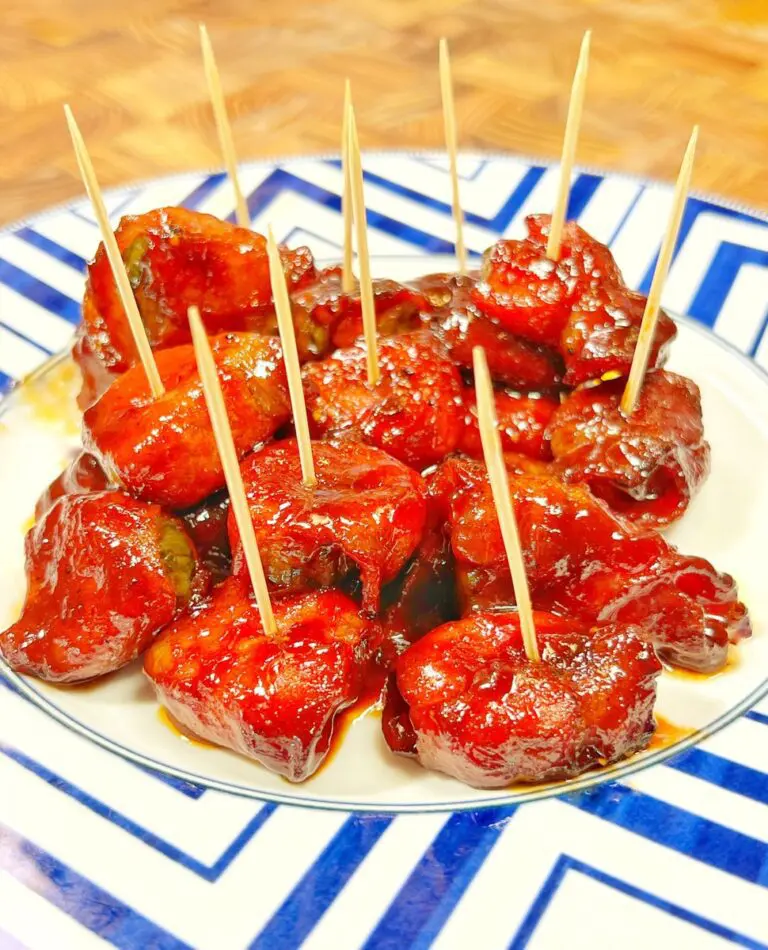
726	524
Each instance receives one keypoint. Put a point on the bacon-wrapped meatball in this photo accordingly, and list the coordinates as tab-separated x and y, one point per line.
367	511
467	701
584	562
460	326
522	422
577	305
273	699
105	574
163	449
647	467
414	412
176	258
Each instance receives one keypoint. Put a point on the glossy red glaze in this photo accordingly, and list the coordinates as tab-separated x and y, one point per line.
176	258
583	561
367	510
103	579
600	334
482	713
84	474
522	420
398	308
414	412
163	450
272	699
460	326
532	295
647	467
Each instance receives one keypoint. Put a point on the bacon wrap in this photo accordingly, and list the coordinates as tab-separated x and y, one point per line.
460	326
522	424
176	258
273	699
83	475
399	309
105	574
648	467
163	449
583	561
577	305
414	412
467	702
367	510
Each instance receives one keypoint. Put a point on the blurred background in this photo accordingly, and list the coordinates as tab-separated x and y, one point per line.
133	75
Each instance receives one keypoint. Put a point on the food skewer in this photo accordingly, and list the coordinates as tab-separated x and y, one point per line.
361	230
223	126
497	475
291	360
449	121
228	454
116	263
347	275
572	125
653	304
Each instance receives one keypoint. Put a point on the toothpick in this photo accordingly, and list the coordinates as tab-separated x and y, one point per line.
653	304
497	474
569	149
226	142
214	399
124	289
291	360
449	120
361	230
347	275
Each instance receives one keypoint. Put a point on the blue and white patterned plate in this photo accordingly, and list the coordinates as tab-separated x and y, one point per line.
95	849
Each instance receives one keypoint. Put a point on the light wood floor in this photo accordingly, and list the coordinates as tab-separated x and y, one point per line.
132	72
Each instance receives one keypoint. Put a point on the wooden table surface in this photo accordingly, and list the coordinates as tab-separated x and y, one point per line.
136	83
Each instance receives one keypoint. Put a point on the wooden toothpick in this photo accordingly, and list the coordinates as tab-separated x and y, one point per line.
347	275
228	454
653	304
115	258
497	475
226	142
291	360
570	139
449	120
361	230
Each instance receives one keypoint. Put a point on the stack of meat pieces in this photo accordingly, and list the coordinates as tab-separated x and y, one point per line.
392	567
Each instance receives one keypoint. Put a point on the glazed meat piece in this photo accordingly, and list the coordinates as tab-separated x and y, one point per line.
414	412
646	468
367	511
84	474
600	335
105	573
460	326
163	449
399	309
578	305
176	258
522	423
585	562
468	702
206	524
273	699
530	294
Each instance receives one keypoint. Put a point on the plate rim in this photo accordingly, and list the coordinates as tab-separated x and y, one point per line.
638	763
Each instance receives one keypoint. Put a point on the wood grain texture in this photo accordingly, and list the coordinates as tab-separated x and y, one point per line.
134	76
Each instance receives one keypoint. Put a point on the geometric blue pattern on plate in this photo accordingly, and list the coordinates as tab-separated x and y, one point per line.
124	856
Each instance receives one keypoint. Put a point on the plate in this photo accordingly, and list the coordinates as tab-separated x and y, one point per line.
40	426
